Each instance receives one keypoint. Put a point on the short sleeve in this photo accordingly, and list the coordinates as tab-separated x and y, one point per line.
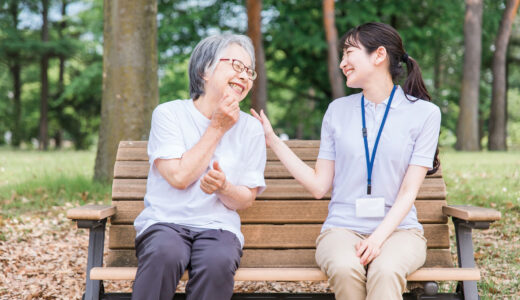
426	142
327	149
253	174
165	140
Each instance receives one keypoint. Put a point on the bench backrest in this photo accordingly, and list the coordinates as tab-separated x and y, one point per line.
281	227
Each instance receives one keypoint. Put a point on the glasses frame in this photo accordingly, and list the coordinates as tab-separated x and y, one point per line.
239	67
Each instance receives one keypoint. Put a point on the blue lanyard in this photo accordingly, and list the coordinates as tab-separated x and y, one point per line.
370	162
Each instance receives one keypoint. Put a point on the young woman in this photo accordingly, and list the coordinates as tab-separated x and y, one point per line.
376	148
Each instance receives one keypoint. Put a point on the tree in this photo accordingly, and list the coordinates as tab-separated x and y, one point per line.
13	61
130	83
254	30
467	125
498	117
44	79
335	78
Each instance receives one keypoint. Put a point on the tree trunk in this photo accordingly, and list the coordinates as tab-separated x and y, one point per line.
254	30
336	80
467	124
130	83
16	71
44	92
58	137
498	116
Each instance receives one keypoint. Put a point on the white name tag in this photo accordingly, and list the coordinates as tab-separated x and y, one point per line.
370	207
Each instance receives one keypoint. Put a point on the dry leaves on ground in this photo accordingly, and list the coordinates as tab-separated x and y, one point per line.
44	257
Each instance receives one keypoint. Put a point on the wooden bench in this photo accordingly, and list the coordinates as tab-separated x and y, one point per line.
280	230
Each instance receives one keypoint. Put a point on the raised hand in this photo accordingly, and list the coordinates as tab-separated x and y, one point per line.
266	124
214	180
226	114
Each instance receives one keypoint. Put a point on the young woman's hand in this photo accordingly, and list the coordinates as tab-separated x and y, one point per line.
214	180
268	129
367	250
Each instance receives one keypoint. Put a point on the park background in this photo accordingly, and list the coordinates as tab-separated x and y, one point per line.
61	119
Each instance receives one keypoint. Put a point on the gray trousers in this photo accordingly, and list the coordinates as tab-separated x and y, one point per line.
164	251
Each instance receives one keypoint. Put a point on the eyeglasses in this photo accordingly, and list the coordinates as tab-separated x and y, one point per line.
239	67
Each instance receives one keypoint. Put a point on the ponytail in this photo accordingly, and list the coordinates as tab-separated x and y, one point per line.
414	85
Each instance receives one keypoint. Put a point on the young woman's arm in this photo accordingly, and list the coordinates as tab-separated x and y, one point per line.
317	181
369	249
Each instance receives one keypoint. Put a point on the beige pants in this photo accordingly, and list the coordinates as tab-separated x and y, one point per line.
385	278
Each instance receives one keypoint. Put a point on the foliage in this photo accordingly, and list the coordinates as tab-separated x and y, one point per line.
295	49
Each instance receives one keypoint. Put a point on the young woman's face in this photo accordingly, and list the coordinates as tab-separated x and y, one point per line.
225	80
357	65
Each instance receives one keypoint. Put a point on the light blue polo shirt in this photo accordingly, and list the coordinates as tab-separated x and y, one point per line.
409	137
176	127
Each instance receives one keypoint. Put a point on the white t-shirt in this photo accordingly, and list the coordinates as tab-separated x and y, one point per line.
409	137
176	127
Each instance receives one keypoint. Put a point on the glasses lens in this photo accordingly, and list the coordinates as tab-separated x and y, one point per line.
238	66
251	74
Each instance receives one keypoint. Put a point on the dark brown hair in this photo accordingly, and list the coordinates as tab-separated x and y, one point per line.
374	35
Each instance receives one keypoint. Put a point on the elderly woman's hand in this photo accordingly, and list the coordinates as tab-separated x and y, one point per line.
226	114
214	180
268	129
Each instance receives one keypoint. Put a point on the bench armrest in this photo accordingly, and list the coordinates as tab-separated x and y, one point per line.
472	213
91	212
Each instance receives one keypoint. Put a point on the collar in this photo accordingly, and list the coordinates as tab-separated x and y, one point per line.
398	99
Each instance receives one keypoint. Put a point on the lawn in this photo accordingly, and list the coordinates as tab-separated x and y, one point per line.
36	186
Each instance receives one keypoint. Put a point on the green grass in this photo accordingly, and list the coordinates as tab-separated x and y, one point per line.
489	179
32	181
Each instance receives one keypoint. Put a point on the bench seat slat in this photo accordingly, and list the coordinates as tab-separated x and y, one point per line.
283	212
135	189
298	236
296	274
272	258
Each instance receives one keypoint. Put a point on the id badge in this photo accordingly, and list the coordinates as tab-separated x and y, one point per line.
373	207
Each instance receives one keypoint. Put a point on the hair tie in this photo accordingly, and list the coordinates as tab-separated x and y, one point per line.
404	58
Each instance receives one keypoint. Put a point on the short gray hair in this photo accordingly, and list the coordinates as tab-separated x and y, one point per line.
207	54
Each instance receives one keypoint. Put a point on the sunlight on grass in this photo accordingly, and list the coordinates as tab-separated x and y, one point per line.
35	181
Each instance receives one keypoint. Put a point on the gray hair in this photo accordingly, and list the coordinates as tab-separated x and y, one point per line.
208	53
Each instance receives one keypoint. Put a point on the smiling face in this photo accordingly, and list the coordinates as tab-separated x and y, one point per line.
357	65
225	80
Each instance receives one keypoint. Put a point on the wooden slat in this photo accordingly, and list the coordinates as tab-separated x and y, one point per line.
301	236
472	213
290	143
273	169
298	274
134	189
285	212
279	258
137	151
305	154
91	212
131	169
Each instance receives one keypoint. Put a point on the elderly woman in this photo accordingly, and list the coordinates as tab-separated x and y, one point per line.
207	160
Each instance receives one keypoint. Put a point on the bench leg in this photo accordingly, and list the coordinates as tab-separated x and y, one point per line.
465	255
95	256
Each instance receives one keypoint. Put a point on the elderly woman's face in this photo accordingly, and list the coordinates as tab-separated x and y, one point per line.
226	80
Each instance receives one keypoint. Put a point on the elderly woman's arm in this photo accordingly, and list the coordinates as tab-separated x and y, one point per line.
180	173
233	196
